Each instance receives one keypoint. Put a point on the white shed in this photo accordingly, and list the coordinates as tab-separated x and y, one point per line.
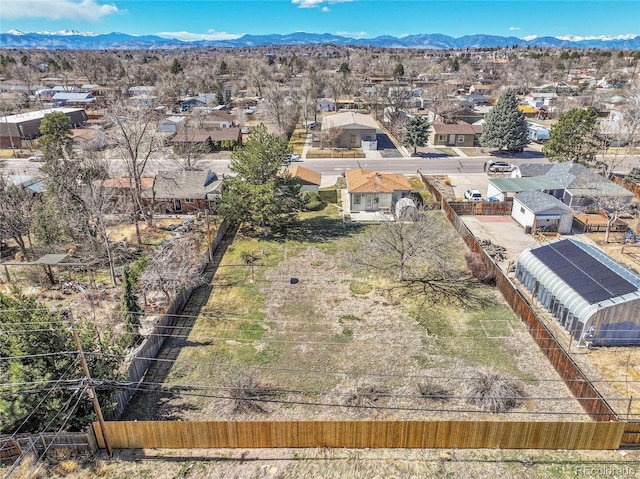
534	209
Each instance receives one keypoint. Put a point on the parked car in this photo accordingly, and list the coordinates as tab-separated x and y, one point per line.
293	158
245	130
37	157
472	195
501	166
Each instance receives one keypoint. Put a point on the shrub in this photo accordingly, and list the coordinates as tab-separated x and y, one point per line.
248	394
494	393
447	181
429	389
312	201
365	396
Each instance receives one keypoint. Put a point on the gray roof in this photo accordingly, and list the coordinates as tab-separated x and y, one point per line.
195	184
575	178
539	202
516	185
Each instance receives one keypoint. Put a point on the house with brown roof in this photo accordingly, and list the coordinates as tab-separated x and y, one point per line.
206	141
309	179
459	134
371	191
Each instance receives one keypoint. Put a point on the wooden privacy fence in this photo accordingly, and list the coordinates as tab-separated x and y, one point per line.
489	208
578	383
364	434
77	442
143	356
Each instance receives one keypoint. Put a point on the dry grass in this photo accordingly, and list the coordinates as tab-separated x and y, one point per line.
494	393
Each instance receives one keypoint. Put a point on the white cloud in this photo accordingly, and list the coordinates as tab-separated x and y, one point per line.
577	38
514	28
352	34
57	9
209	35
325	9
317	3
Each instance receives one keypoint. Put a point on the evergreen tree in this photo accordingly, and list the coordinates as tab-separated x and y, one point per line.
56	139
416	132
505	126
34	349
130	308
263	194
344	68
176	67
574	138
398	71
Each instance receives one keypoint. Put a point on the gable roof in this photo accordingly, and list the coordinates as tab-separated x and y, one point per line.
348	120
184	184
460	128
539	202
307	176
368	181
575	178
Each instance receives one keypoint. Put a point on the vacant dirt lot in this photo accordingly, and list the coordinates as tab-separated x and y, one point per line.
330	344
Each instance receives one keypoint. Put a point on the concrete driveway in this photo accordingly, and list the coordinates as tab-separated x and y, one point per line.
500	230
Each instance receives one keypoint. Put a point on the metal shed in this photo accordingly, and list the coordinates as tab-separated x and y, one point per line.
596	299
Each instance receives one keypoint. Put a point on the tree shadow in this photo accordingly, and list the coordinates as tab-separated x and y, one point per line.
317	229
145	403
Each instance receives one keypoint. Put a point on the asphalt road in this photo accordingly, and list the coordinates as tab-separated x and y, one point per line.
440	165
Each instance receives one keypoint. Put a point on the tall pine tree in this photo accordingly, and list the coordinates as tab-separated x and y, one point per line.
505	126
574	138
416	132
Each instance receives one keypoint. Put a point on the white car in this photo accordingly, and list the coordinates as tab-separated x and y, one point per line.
472	195
501	166
37	157
293	158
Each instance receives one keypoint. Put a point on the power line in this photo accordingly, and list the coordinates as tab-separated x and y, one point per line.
374	407
41	355
328	372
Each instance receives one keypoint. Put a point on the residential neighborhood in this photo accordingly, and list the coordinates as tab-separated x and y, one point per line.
378	248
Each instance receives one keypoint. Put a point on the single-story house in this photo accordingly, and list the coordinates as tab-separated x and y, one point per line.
580	185
21	128
353	130
499	189
64	98
183	191
171	124
454	134
535	209
309	179
369	190
596	299
326	105
207	140
219	119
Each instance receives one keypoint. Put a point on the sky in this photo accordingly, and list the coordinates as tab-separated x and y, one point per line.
206	19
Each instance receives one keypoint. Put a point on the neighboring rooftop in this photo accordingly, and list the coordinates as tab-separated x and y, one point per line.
361	180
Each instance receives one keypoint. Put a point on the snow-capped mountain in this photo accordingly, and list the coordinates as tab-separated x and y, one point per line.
74	40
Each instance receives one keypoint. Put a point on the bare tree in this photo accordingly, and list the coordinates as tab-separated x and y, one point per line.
172	268
417	257
16	207
281	109
135	139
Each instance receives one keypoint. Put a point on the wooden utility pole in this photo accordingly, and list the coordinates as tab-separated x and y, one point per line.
92	392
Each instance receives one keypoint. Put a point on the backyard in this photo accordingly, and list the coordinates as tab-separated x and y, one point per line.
293	330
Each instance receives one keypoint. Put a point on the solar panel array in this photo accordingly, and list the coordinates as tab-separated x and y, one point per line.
590	278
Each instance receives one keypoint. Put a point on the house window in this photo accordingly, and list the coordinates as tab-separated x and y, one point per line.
521	210
353	139
442	137
356	199
189	200
460	138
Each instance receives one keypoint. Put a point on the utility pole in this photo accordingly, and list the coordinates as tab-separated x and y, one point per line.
92	392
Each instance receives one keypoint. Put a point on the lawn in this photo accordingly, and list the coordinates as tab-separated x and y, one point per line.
314	331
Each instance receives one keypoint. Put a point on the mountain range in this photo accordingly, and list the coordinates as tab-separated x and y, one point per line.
74	40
